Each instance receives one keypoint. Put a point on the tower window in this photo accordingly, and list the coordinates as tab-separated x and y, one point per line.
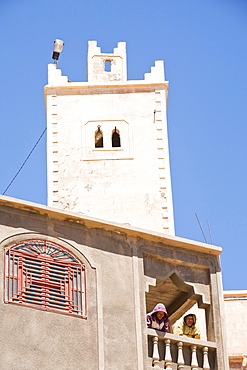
41	274
98	138
116	138
107	65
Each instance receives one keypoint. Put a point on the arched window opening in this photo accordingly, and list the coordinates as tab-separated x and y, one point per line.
43	275
116	138
99	138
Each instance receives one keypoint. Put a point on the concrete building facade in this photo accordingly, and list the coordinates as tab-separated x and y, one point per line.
127	271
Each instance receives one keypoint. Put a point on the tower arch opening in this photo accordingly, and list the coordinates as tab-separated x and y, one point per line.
99	143
116	141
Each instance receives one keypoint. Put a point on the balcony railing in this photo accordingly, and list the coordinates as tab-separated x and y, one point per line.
170	351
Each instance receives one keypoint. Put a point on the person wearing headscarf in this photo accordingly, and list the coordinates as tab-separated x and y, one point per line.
188	327
158	318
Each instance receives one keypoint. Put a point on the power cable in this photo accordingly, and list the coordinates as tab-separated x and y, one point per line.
23	164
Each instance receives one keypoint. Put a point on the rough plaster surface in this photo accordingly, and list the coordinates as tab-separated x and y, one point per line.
235	303
115	326
129	184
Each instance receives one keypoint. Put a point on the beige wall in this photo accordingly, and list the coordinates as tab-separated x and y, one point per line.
235	302
34	338
37	339
122	264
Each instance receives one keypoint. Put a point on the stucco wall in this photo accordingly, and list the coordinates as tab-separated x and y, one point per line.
235	303
108	188
36	338
114	333
128	184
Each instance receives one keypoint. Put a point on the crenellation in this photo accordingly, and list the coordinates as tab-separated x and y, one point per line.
55	77
120	49
157	72
93	48
96	63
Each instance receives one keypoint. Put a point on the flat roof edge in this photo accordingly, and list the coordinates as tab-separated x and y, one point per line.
118	84
93	222
235	294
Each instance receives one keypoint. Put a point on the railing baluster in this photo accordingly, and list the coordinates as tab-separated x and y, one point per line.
180	356
205	359
194	362
156	356
197	351
168	357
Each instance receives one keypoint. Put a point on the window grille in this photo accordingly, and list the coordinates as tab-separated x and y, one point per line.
41	274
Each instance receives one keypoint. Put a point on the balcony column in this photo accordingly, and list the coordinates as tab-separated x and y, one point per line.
156	357
205	359
168	357
194	362
180	360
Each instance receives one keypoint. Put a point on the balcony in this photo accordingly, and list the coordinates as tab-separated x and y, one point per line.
170	351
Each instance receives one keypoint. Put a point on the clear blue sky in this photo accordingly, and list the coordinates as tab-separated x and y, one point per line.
204	45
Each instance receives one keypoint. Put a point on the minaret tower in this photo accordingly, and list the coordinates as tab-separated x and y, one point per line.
107	143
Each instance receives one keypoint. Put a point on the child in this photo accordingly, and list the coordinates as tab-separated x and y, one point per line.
158	318
188	327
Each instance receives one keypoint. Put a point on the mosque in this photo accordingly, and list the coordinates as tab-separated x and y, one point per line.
79	275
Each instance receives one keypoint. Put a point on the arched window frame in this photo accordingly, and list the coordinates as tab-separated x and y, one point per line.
44	275
98	138
90	152
116	133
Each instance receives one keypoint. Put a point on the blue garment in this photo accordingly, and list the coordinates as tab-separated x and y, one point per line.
154	323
